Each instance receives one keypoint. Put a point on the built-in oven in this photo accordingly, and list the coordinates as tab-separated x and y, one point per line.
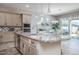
26	28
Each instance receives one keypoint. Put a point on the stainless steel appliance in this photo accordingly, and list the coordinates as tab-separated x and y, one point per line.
26	28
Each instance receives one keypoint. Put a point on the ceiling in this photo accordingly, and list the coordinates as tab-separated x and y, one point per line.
54	8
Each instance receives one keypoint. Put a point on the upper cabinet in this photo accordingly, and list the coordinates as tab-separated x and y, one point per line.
13	20
2	19
26	19
8	19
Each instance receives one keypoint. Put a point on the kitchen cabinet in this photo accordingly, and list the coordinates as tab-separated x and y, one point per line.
17	19
13	20
6	37
2	19
26	19
11	36
33	50
6	40
24	46
27	46
8	19
26	50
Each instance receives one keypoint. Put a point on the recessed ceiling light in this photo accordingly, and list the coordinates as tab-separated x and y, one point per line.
27	6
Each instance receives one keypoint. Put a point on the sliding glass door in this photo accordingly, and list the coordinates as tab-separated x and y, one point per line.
70	28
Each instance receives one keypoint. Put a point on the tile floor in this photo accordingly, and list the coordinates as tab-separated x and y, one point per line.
70	47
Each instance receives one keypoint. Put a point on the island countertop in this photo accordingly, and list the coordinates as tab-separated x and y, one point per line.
40	37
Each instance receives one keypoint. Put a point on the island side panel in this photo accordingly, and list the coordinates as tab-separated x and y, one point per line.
49	48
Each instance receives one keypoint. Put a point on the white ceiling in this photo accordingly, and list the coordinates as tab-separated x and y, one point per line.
55	8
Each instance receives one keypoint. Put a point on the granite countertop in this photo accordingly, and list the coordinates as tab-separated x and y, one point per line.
40	37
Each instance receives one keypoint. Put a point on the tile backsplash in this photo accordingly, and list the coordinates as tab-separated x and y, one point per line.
6	29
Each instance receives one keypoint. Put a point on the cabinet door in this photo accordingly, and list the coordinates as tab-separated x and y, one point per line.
2	19
9	19
17	20
11	36
30	47
33	50
27	19
26	49
13	20
8	37
5	37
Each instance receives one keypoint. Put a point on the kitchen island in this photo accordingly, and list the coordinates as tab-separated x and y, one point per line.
40	44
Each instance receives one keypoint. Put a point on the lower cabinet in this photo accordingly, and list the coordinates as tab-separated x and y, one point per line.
6	40
27	46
